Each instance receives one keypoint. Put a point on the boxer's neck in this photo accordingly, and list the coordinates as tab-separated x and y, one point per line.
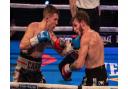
43	25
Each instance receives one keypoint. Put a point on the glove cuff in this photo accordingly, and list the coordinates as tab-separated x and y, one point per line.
34	41
67	68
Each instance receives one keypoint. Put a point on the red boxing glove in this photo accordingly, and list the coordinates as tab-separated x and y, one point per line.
59	44
66	72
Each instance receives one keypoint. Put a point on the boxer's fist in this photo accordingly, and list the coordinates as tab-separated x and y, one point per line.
43	36
76	42
68	48
58	44
68	59
66	72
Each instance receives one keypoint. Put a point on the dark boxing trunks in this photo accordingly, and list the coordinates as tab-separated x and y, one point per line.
68	59
28	69
96	77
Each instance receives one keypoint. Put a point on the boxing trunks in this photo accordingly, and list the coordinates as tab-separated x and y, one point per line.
95	77
68	59
28	69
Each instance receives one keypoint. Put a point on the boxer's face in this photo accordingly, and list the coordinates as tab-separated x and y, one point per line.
77	27
52	21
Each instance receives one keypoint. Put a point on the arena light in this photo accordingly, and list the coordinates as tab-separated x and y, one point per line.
46	2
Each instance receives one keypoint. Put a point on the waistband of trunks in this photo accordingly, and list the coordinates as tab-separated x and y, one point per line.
28	64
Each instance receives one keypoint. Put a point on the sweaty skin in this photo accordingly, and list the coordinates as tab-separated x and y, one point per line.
91	52
32	30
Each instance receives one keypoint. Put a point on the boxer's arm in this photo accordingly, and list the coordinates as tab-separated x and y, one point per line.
78	64
57	43
25	42
53	37
73	7
80	61
62	46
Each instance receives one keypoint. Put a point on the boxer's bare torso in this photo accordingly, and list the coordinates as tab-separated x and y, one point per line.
32	30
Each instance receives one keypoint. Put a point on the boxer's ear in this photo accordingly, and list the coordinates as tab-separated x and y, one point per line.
82	23
47	19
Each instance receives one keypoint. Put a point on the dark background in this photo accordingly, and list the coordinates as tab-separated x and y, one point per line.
22	17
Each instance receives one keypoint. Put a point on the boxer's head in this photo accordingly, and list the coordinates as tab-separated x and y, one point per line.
51	15
80	21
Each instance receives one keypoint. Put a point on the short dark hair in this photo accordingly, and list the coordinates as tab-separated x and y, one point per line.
49	9
81	16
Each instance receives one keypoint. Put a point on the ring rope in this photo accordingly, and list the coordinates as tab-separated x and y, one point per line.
36	6
66	28
19	85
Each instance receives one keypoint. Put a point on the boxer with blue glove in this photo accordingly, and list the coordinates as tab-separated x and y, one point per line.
34	41
41	37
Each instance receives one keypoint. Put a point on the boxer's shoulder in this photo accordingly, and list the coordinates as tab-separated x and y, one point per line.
33	25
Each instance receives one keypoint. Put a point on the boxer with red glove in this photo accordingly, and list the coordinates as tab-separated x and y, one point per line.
65	48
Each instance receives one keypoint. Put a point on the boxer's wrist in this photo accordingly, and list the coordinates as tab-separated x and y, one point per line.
33	41
68	48
56	44
41	37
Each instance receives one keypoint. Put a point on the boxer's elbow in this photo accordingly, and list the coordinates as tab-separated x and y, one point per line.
78	66
23	46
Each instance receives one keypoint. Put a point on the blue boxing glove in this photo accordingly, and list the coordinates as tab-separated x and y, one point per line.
76	42
43	36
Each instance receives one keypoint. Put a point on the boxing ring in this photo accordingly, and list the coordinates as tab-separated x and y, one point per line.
51	58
